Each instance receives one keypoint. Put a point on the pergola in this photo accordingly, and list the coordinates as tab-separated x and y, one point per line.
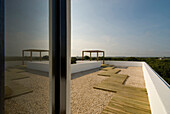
31	51
93	51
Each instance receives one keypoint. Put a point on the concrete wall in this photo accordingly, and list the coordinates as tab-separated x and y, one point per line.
41	66
83	66
80	66
124	63
158	91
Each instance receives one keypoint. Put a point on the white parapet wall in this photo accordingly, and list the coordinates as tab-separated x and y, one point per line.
83	66
158	91
80	66
40	66
124	63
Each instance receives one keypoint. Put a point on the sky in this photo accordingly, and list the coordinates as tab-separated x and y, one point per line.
26	26
119	27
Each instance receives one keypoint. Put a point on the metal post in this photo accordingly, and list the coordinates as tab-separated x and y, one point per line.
60	76
2	54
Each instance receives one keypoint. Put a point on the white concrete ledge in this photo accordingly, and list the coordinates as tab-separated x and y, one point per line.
80	66
158	91
41	66
83	66
124	63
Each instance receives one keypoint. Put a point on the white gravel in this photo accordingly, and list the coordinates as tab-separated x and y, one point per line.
84	99
136	78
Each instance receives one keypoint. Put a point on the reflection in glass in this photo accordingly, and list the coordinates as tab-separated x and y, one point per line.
26	88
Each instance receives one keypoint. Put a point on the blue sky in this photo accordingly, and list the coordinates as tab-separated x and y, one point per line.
26	25
120	27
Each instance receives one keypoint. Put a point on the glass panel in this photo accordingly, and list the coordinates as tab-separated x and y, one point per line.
128	31
26	57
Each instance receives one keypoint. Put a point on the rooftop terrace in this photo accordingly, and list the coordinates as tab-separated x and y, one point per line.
128	91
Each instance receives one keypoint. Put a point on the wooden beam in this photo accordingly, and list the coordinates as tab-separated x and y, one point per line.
30	55
82	55
40	56
97	56
103	57
22	57
90	56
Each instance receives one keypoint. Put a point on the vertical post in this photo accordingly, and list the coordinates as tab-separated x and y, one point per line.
60	44
30	55
40	56
103	57
2	54
97	56
90	56
82	55
22	57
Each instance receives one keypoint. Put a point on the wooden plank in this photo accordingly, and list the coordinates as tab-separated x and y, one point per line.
107	68
125	108
137	105
114	110
14	76
17	90
109	73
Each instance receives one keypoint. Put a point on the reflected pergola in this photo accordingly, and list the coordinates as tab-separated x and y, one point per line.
31	51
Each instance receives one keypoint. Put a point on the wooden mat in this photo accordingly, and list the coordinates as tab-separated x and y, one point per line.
127	99
109	72
14	89
116	78
14	76
107	68
106	65
15	70
123	104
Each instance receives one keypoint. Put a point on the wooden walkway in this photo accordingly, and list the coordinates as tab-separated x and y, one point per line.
127	99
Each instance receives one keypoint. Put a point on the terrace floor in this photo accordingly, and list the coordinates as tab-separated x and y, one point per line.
84	98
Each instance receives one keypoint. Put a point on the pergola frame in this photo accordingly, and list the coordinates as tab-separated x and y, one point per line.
93	51
31	51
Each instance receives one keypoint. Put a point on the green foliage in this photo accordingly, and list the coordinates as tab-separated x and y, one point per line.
73	60
86	57
46	57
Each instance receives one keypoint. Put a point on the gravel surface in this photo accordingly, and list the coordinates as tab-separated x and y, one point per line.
36	102
136	77
84	99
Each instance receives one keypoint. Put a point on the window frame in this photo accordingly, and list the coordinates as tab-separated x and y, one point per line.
2	55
